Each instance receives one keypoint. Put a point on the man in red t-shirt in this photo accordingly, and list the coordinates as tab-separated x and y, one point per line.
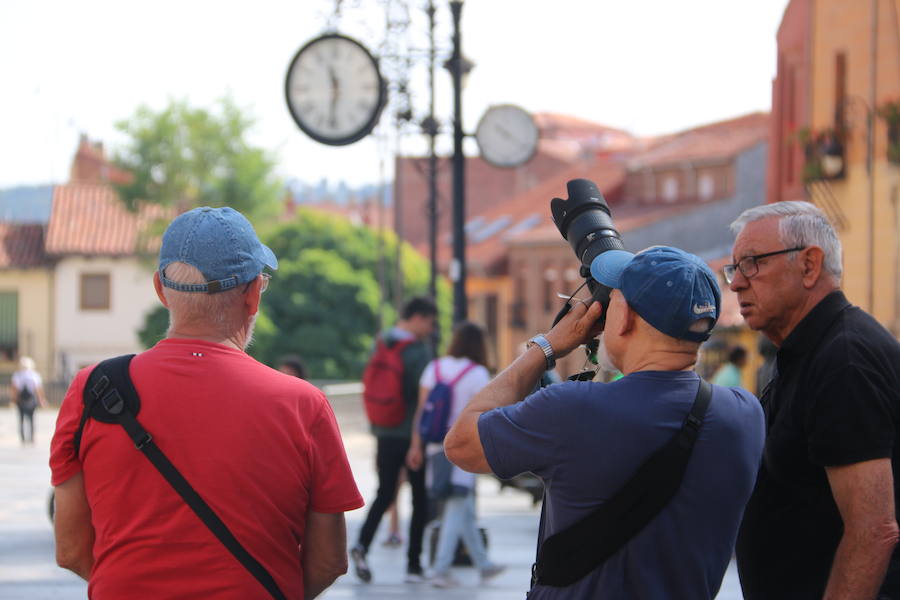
262	448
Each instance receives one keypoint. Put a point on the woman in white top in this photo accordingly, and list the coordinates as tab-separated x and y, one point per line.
27	393
464	365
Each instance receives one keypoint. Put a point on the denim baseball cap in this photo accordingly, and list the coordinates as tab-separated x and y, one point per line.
669	288
220	243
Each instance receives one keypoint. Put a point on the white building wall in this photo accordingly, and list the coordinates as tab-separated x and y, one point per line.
84	337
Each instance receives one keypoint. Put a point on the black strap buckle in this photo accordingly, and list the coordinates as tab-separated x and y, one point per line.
693	422
146	439
113	402
100	387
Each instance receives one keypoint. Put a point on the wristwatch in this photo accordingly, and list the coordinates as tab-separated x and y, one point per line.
541	341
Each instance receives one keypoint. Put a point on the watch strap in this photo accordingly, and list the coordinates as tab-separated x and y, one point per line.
541	342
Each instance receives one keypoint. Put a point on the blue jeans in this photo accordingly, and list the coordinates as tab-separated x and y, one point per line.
458	522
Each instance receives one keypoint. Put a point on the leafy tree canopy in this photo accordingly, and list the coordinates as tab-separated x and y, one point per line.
324	301
186	157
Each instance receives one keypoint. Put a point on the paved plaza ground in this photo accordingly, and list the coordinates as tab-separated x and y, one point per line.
28	570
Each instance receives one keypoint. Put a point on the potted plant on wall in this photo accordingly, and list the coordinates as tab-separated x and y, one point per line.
824	153
890	112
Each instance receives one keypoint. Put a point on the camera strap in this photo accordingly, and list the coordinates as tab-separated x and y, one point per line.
110	397
567	556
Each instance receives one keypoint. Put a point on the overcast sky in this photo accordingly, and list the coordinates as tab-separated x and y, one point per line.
647	66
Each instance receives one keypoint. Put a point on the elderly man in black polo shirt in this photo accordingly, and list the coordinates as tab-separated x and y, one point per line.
822	518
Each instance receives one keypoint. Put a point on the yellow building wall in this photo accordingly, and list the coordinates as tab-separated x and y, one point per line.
34	287
478	289
868	201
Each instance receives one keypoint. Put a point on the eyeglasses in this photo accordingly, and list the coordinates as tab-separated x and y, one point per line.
749	265
265	283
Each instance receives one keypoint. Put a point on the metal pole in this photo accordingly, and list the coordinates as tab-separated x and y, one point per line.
432	159
870	147
458	268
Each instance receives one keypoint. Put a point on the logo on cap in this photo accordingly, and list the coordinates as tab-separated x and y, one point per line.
699	309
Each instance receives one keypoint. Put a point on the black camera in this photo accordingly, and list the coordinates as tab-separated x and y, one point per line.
585	221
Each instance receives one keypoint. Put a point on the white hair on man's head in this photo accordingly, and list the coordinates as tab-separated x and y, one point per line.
215	311
800	224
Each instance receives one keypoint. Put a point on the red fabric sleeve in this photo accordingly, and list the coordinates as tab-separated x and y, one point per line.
333	488
63	462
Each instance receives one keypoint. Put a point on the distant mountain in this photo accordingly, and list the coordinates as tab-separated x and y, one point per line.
26	204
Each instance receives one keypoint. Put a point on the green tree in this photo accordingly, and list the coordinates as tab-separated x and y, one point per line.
156	322
324	302
323	309
186	157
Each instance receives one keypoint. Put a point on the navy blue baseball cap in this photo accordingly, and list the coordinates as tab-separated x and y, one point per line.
669	288
220	243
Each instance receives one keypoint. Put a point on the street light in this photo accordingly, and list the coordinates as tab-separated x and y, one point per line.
458	265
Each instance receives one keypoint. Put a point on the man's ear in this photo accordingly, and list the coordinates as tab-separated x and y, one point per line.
253	295
812	261
628	322
157	285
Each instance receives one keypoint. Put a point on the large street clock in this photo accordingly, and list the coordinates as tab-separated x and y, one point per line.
334	90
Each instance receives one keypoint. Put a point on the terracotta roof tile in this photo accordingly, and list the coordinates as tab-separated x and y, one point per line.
626	218
21	246
567	123
717	140
90	219
527	212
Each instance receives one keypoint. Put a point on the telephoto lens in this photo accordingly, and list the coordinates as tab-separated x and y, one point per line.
585	221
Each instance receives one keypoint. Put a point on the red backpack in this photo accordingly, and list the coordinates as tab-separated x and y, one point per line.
383	385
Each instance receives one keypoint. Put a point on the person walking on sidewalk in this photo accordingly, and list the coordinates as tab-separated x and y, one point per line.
260	447
465	366
413	330
587	439
27	394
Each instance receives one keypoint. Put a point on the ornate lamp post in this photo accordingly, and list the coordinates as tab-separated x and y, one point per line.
458	266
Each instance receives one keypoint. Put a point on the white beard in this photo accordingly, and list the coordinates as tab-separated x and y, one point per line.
603	359
250	326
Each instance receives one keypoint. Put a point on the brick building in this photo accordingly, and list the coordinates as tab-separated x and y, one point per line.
838	75
684	191
681	189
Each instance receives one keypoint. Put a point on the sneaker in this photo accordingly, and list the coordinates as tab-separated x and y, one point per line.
393	541
490	572
360	565
444	581
414	575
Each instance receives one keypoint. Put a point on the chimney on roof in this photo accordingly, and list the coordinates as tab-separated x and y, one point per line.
90	165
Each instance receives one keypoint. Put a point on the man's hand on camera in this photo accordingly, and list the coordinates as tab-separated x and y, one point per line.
576	328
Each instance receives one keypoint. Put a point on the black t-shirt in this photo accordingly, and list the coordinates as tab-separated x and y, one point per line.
835	400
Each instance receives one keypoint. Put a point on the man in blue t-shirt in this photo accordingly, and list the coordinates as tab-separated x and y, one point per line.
586	439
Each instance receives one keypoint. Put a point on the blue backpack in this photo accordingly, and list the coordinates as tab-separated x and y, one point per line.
433	425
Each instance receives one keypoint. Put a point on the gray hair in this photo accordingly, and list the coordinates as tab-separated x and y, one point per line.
216	311
800	224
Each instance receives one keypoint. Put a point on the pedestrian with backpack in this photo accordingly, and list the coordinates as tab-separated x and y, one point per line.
446	385
27	394
390	396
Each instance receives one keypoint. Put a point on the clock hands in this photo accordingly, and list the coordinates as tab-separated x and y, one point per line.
335	93
508	134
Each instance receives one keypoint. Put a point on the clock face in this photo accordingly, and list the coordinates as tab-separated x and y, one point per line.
334	90
507	136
